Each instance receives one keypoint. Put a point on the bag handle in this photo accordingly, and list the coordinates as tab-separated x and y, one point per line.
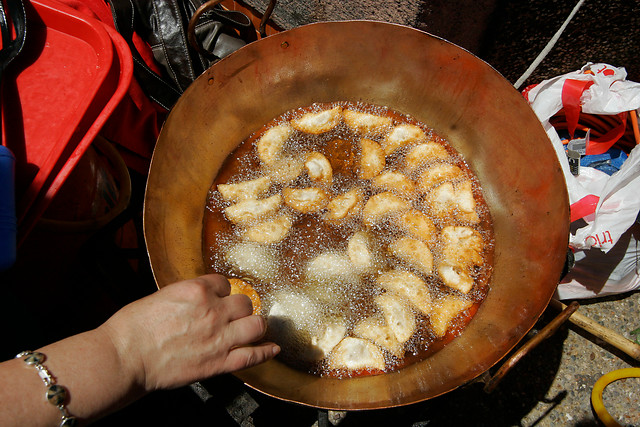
159	90
238	20
193	22
572	91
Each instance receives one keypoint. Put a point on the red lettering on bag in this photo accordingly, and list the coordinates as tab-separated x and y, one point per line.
606	71
606	238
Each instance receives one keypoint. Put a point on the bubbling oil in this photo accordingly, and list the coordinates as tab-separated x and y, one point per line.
311	293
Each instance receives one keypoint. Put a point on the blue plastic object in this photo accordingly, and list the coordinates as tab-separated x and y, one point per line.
609	162
7	209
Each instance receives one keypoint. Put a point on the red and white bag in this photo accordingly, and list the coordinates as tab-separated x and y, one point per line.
608	205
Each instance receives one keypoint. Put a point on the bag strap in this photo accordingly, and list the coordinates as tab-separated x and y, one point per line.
158	89
572	91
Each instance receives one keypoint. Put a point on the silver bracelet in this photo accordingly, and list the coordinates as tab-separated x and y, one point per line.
56	394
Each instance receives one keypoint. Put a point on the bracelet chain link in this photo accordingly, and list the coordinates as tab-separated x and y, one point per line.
56	394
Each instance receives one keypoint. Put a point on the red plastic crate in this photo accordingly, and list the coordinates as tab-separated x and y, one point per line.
72	73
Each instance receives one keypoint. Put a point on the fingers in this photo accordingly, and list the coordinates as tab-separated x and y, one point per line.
246	330
246	357
238	306
216	283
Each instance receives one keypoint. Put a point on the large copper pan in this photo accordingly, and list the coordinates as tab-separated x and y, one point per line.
460	96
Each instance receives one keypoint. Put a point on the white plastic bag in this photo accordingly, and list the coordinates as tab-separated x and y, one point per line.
598	274
617	196
606	247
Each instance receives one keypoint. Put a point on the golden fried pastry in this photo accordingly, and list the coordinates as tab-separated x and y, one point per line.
269	231
414	252
290	318
251	189
408	286
345	205
318	168
366	123
285	170
455	276
330	267
356	353
437	174
418	224
328	336
393	181
239	286
377	330
398	315
462	246
360	251
401	136
305	200
423	154
453	201
271	143
318	122
251	210
445	310
252	260
372	159
383	205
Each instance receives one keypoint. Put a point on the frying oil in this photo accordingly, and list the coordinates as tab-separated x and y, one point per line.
290	273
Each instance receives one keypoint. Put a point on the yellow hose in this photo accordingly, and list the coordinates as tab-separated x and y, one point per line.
598	388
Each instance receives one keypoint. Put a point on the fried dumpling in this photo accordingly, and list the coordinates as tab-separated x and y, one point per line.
328	335
359	250
453	201
414	252
418	225
437	174
269	231
445	310
318	168
345	205
356	353
372	159
455	276
330	267
422	154
383	205
366	123
271	143
318	122
462	245
239	286
305	200
252	260
299	310
462	250
377	330
330	277
408	286
402	135
251	210
251	189
284	170
398	316
397	182
290	319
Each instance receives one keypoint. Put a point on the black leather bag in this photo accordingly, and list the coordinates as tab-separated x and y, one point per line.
164	25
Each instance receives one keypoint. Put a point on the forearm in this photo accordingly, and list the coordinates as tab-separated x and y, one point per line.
87	365
141	348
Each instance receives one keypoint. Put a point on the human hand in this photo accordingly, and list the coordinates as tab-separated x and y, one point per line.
188	331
